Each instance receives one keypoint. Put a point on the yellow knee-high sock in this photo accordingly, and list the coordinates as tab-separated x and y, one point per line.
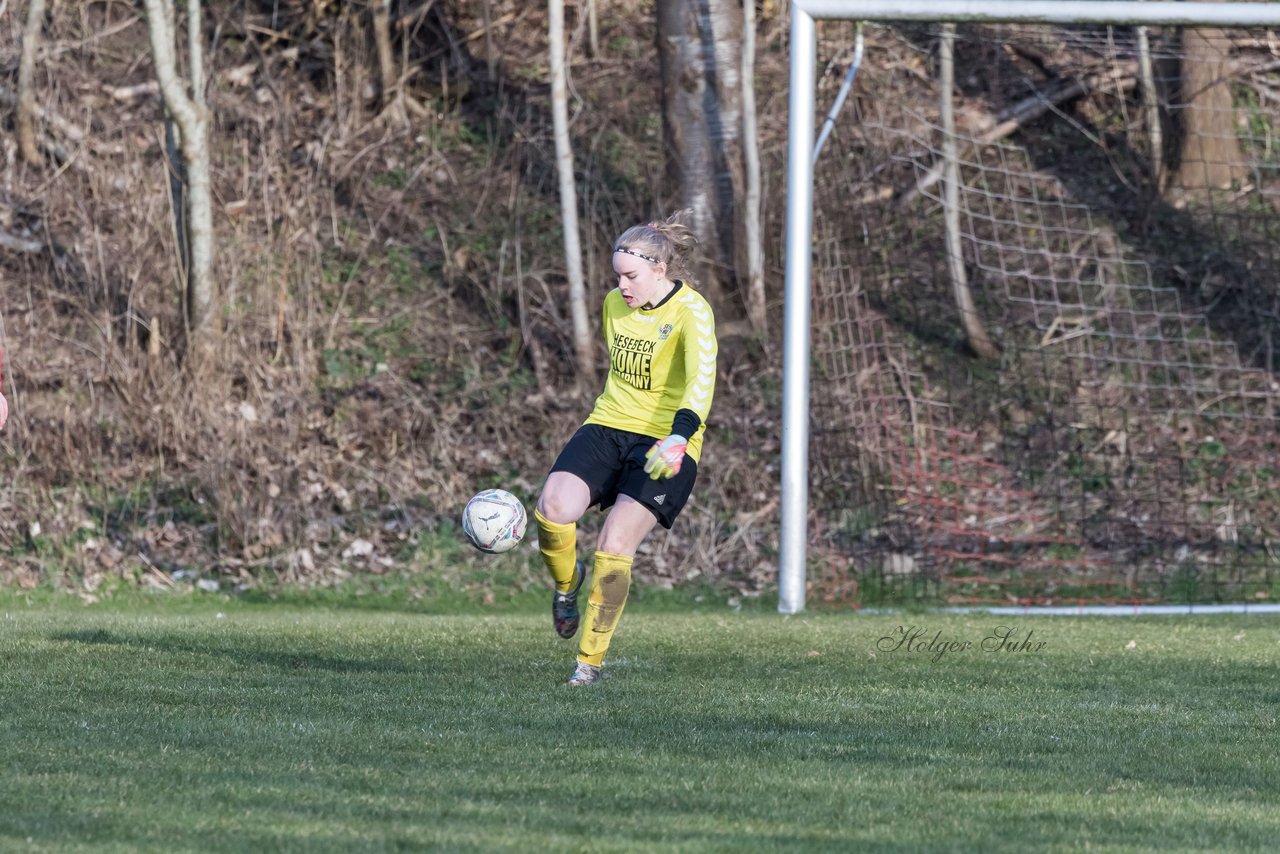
610	583
558	544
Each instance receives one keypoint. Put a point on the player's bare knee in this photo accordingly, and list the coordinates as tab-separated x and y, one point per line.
617	543
555	508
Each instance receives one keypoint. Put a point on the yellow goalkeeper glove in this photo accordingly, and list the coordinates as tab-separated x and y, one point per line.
665	457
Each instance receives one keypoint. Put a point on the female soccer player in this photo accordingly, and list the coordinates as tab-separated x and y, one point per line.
636	455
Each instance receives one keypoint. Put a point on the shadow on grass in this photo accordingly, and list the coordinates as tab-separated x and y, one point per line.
283	659
690	596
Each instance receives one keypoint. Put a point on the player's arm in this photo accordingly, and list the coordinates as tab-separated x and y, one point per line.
700	350
699	345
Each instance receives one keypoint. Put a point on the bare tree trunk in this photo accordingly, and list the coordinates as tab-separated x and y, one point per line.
490	59
751	206
387	78
568	194
975	332
1210	152
26	118
699	48
1151	107
191	117
178	195
593	28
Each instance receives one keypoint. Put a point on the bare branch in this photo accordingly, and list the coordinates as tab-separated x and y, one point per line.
1027	110
70	131
129	93
19	244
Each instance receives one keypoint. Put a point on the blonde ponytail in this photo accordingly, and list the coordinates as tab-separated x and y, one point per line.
668	242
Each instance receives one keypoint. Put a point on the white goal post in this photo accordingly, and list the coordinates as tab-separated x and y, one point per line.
800	176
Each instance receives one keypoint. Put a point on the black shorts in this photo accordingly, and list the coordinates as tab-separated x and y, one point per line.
611	463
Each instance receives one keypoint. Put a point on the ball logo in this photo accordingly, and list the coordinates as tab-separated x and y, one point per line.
494	521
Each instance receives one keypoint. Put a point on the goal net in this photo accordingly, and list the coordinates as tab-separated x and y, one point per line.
1082	408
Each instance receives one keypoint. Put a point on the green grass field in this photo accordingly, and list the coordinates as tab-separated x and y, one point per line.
211	724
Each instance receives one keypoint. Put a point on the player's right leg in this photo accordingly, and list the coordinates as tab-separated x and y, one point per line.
584	472
564	499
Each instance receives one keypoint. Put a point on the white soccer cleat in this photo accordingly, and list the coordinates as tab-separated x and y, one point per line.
585	674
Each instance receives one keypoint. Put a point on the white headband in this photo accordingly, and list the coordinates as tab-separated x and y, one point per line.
641	255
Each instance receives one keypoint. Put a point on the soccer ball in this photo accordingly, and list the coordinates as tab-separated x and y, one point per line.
494	521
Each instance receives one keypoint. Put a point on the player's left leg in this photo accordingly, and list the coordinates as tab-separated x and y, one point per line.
626	526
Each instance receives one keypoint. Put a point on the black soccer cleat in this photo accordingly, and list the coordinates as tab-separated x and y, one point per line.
564	606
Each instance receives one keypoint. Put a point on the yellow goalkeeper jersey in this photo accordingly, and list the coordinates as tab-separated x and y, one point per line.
661	360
